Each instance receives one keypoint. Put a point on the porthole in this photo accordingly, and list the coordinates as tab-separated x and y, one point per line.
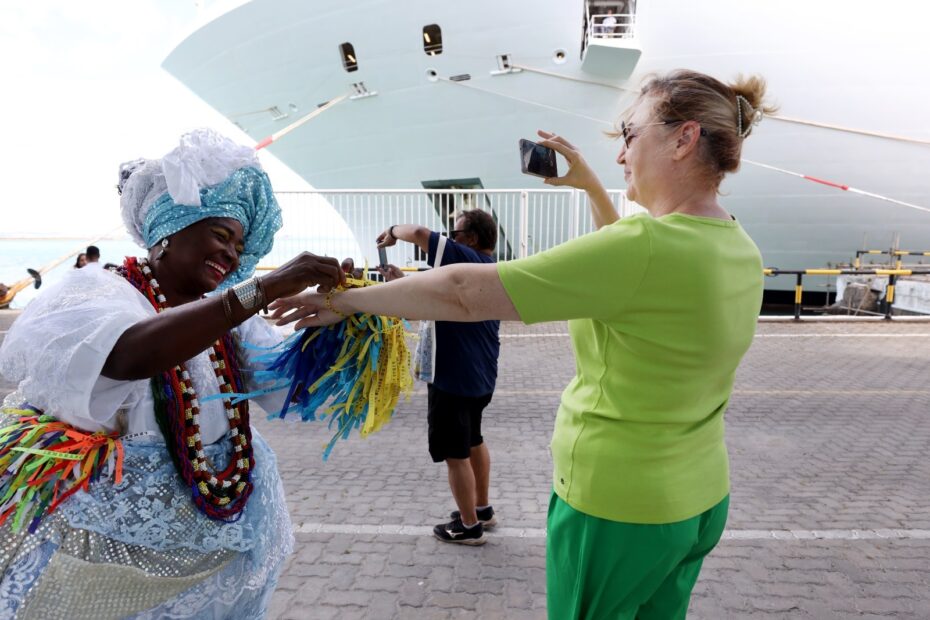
432	40
349	59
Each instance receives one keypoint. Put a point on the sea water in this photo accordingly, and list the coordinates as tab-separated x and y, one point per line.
17	255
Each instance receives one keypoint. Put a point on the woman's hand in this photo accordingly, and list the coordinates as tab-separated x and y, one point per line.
579	175
386	239
307	308
304	270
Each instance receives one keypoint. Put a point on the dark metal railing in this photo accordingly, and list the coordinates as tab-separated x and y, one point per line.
892	274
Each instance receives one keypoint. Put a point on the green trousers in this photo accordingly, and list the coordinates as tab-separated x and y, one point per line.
597	569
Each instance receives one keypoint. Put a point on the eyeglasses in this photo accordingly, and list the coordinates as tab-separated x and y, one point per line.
626	132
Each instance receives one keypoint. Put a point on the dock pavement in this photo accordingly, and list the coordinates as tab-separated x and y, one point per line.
829	437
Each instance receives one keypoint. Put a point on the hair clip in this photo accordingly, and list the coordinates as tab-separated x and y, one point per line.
755	116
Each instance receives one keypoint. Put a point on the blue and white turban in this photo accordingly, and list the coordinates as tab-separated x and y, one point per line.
208	175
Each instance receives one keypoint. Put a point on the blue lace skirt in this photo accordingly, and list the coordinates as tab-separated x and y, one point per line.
140	549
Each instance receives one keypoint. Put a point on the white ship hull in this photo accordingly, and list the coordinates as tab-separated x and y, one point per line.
839	63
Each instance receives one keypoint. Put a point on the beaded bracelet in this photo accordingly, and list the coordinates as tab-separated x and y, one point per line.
328	302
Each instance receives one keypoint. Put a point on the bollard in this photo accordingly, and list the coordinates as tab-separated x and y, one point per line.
797	298
889	296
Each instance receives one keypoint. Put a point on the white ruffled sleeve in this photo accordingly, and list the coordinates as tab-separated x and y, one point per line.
56	349
256	336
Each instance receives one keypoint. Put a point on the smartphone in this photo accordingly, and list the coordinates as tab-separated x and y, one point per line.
382	256
537	160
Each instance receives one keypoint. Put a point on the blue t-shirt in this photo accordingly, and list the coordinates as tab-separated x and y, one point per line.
466	353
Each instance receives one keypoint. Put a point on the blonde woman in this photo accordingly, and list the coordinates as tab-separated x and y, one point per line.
641	479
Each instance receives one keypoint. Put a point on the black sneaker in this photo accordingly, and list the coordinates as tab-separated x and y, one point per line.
455	532
485	517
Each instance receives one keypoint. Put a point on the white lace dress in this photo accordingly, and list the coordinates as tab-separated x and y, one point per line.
140	548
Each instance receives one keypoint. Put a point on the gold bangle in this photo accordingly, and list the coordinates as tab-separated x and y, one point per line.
227	307
264	298
328	302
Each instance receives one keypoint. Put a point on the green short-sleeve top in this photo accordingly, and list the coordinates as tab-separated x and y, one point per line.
660	311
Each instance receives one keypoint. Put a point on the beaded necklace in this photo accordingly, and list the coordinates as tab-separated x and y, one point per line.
219	495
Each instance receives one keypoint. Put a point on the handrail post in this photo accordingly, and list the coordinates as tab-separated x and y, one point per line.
889	296
797	298
573	222
524	223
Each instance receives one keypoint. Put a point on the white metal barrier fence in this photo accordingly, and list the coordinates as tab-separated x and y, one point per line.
528	221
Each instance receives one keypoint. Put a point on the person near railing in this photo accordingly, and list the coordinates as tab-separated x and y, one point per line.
93	255
464	377
608	23
178	510
661	308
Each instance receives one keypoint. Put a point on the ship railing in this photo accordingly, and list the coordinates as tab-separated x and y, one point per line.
623	28
528	220
887	302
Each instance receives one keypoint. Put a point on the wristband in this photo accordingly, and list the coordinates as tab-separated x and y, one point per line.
391	232
249	294
328	302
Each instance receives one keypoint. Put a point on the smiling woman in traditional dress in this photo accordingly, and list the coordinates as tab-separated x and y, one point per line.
661	307
184	516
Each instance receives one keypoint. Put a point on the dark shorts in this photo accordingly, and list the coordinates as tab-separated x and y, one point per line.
454	424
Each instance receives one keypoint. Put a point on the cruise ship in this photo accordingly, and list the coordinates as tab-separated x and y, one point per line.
436	94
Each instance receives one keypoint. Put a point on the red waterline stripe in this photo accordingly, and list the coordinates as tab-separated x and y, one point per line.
822	182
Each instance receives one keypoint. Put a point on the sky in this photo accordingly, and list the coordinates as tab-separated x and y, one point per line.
83	91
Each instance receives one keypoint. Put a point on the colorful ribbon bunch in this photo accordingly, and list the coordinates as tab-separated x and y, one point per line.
353	372
44	461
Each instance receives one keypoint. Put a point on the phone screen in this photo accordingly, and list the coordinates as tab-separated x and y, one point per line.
382	256
537	160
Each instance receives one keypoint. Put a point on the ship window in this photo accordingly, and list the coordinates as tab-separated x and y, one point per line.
432	40
349	61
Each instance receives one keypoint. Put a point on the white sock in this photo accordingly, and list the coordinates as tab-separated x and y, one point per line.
473	525
482	507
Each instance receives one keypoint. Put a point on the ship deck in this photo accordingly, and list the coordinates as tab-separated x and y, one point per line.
830	508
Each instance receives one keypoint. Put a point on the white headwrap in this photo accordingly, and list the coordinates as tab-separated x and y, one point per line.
203	159
208	175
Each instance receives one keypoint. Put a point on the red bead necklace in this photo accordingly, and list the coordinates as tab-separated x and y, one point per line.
220	495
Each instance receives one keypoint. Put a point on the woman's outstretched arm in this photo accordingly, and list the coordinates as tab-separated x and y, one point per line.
464	293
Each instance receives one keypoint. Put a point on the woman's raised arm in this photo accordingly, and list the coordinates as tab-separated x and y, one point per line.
580	176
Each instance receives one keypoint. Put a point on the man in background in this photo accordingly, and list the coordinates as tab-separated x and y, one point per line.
93	256
464	378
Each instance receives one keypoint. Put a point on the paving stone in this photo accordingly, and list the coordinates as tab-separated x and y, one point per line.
824	433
